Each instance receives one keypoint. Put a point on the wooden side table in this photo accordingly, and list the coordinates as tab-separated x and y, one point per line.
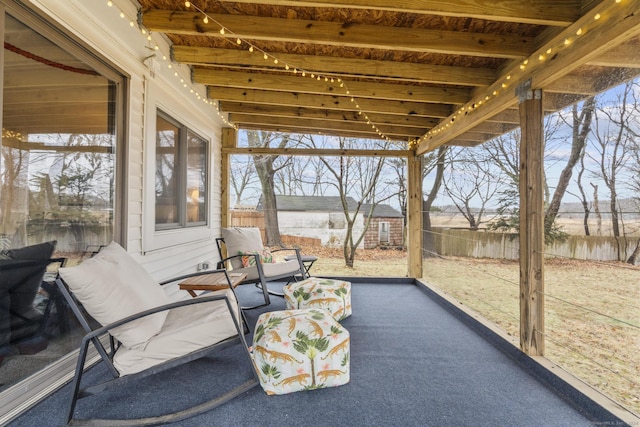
211	282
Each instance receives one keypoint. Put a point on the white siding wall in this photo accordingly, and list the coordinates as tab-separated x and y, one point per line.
100	27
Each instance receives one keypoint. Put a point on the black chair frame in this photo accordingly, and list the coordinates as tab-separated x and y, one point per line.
261	281
96	337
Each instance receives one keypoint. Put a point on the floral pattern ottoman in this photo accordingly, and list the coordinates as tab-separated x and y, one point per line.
315	292
297	350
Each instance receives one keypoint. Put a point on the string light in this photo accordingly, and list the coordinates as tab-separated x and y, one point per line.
287	66
155	47
566	43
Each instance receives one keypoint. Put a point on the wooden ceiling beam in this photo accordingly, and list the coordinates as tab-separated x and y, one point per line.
311	131
574	84
511	116
327	126
624	55
618	23
339	67
330	102
324	114
461	142
553	102
339	34
356	89
479	137
583	82
547	12
318	151
493	128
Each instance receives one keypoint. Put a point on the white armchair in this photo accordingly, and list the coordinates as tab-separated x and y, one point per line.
241	250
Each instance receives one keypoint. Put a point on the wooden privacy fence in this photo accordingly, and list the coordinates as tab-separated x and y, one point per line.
247	219
484	244
256	219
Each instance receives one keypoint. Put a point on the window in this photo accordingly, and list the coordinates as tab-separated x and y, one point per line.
181	175
60	124
383	232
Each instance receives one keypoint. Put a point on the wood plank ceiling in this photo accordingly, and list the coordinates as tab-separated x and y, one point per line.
425	72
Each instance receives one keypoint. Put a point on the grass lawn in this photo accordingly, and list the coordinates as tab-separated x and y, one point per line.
592	309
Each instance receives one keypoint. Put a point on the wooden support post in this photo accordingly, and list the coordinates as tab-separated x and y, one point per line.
531	221
229	140
414	216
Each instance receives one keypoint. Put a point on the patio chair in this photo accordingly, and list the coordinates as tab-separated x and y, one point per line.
241	250
22	271
143	332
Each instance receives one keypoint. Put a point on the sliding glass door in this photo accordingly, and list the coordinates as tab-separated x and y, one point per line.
62	119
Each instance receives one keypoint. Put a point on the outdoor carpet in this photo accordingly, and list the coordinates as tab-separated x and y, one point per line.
413	363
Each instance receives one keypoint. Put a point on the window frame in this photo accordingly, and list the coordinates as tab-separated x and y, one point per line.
184	133
159	98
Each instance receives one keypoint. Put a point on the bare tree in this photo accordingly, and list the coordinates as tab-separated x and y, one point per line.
504	153
586	204
357	178
290	180
596	207
398	171
242	177
612	141
634	166
471	182
581	127
432	162
266	168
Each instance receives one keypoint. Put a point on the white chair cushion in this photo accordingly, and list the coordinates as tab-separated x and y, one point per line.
186	329
277	269
112	285
239	240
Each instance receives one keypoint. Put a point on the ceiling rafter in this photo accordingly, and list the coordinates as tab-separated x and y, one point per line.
622	23
406	67
356	89
343	67
341	34
333	102
325	114
543	12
